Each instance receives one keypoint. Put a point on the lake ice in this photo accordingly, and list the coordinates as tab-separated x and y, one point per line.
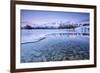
44	45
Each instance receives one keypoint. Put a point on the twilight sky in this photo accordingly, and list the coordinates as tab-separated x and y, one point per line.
42	17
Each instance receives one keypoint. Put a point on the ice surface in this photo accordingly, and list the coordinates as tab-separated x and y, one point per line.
42	45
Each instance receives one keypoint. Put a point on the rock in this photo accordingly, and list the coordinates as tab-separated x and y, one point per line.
36	53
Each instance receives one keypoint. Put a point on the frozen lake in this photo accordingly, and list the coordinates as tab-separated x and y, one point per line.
43	45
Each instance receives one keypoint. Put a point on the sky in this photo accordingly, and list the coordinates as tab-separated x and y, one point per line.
42	17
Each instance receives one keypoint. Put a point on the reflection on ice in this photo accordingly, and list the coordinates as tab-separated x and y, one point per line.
32	36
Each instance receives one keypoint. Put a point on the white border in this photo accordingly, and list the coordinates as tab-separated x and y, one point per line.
52	64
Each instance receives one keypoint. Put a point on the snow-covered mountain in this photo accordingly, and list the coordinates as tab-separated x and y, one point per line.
60	24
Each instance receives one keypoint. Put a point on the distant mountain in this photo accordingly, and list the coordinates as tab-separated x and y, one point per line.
53	25
27	27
